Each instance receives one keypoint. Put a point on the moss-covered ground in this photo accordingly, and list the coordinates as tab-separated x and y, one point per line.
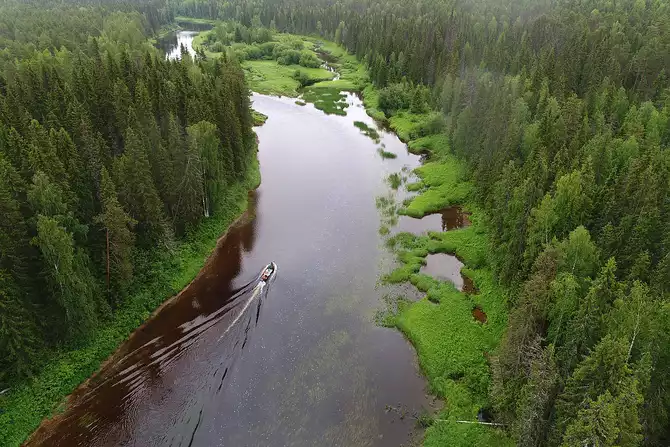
271	78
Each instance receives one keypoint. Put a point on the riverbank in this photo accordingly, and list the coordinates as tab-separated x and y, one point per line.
265	75
164	275
452	330
309	67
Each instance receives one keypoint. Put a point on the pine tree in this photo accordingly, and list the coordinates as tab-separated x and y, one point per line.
13	230
190	206
118	228
585	328
536	399
602	388
203	136
137	192
18	333
70	282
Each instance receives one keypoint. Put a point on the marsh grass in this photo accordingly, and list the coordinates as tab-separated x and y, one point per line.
450	343
386	154
395	180
330	100
271	78
258	118
368	131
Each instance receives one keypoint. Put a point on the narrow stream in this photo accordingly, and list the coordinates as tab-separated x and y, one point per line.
300	362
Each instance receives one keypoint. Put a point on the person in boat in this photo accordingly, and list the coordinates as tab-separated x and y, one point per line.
267	273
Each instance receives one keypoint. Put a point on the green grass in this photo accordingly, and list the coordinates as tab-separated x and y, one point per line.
259	118
166	273
449	342
445	185
367	131
371	101
437	145
300	103
409	126
327	99
327	95
271	78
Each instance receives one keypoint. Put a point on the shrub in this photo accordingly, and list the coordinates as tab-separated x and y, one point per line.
289	57
302	77
393	98
309	60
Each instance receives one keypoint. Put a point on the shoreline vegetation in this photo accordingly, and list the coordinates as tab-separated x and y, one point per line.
453	347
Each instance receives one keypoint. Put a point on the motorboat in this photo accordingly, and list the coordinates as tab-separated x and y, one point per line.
269	272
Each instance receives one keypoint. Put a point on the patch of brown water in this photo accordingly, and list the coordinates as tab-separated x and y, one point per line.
479	315
451	218
469	286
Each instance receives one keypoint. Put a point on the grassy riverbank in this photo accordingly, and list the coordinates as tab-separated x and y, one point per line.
265	74
452	345
268	71
164	275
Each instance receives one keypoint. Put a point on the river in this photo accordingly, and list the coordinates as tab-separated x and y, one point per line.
298	363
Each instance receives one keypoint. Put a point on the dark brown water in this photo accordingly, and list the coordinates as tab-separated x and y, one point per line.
297	363
469	286
448	219
479	315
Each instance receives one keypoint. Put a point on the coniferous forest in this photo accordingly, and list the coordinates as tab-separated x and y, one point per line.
562	111
108	154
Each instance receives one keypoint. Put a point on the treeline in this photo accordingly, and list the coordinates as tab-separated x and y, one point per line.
50	25
563	111
108	152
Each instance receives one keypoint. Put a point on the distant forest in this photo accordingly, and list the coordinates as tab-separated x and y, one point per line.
108	155
562	109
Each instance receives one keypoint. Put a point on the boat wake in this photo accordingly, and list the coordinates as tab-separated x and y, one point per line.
222	335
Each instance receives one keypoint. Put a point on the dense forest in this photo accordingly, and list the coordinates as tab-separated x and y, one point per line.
562	110
108	154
